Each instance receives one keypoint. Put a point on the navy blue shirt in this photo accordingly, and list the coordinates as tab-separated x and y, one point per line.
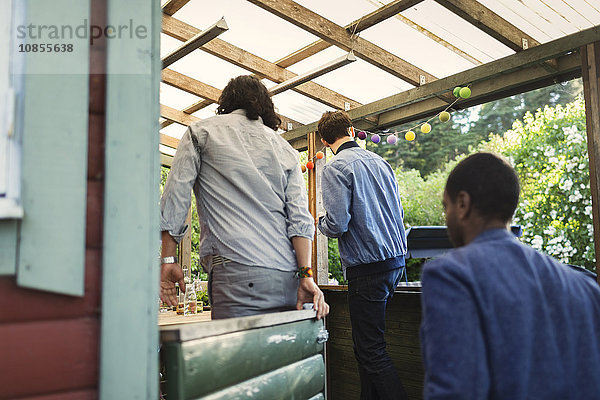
363	210
503	321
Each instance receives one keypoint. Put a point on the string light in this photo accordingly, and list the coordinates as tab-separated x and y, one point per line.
460	92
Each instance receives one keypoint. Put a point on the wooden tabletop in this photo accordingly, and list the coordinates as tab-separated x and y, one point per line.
171	318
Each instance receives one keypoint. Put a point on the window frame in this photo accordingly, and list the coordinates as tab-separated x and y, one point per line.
10	134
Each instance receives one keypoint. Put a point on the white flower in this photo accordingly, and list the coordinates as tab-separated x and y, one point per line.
553	214
567	184
575	197
549	152
537	242
588	210
528	215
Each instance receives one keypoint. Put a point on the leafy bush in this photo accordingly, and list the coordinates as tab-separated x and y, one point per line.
549	152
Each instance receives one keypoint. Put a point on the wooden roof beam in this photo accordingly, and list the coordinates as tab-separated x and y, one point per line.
359	25
498	68
337	35
178	116
169	141
243	59
172	6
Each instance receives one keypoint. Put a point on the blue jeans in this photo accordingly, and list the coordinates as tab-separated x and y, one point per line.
368	297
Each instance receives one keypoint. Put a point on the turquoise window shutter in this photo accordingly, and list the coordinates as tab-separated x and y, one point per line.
55	130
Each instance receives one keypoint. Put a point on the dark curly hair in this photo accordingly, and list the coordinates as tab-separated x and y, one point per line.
490	181
248	93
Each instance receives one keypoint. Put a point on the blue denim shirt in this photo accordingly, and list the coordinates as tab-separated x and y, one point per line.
363	207
503	321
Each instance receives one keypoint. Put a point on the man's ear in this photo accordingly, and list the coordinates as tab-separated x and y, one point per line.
463	205
325	142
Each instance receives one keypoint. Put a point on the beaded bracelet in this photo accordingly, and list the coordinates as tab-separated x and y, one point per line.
306	272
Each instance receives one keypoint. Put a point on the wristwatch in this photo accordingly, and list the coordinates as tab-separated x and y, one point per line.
168	260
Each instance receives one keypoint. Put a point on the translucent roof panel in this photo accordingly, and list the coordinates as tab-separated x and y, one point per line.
340	11
545	20
176	98
456	31
250	27
360	81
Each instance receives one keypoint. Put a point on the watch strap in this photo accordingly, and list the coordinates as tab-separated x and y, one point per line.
168	260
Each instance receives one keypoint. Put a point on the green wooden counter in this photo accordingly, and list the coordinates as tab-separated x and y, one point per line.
265	357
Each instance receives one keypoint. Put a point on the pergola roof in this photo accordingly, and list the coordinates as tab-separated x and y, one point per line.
409	54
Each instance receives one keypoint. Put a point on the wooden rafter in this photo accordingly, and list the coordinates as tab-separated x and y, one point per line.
190	85
172	6
228	52
529	78
497	73
209	94
357	26
177	116
491	23
169	141
337	35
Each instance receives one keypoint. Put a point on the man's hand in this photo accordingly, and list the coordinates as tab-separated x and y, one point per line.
308	292
169	274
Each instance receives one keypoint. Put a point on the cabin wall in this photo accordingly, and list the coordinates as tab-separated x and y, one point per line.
403	319
50	342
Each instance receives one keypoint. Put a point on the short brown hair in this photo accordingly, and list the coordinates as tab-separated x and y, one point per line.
334	125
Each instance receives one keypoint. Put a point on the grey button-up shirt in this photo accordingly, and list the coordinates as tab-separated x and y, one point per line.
250	194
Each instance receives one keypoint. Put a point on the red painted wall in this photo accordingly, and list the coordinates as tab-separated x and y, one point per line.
49	343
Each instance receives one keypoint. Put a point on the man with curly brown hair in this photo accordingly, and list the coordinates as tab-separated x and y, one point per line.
255	228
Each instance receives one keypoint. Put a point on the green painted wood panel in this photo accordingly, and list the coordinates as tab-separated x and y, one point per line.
8	247
129	326
202	366
300	380
54	158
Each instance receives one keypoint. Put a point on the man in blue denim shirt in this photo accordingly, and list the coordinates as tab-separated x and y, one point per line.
364	211
501	320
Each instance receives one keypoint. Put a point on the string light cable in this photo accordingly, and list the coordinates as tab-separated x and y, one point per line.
460	92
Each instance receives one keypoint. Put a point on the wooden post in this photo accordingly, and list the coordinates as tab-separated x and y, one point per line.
590	68
320	246
312	198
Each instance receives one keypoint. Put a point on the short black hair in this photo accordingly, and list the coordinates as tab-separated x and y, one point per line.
334	125
248	93
491	183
